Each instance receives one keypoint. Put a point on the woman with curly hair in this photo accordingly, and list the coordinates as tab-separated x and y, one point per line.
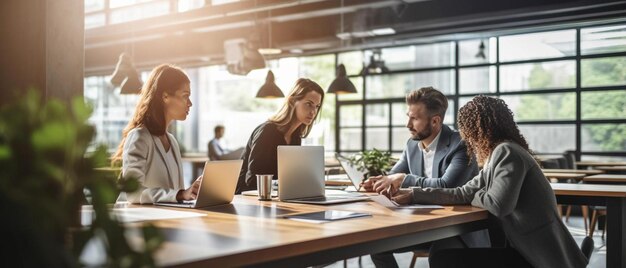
510	186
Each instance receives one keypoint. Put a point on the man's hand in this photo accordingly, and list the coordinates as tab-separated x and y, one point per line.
385	182
368	184
190	193
403	196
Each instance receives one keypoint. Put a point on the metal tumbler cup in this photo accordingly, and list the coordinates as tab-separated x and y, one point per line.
264	186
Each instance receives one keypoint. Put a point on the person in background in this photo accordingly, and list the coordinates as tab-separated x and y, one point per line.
215	147
287	127
217	150
511	187
147	151
434	156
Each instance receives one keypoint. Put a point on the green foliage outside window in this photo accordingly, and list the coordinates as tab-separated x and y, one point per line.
595	105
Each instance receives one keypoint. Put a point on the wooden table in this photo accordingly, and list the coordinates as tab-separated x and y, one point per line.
577	171
251	232
611	196
562	176
609	169
606	178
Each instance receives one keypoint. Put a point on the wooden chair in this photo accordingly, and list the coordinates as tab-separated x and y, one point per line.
597	211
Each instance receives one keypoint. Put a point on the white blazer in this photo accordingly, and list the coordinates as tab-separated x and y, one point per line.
144	158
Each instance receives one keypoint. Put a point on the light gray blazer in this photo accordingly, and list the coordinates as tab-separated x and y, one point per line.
144	158
512	187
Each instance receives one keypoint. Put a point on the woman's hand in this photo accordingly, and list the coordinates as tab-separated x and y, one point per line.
190	193
403	196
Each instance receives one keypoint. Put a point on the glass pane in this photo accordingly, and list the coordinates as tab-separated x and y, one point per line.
320	69
538	45
353	61
603	39
377	138
186	5
398	85
350	115
549	138
94	5
399	137
95	20
477	51
377	115
464	100
542	107
477	80
604	104
604	137
603	71
449	118
152	9
111	111
358	84
540	75
350	139
122	3
399	117
417	56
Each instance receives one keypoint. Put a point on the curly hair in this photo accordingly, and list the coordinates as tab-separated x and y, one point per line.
485	122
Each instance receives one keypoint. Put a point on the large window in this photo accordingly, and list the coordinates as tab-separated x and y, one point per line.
566	88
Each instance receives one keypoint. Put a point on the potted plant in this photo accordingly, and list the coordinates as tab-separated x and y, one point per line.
373	162
45	173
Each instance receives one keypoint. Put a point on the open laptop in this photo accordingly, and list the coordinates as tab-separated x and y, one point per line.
301	177
354	175
218	185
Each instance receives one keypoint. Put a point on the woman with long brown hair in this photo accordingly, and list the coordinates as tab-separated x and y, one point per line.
512	187
147	151
287	127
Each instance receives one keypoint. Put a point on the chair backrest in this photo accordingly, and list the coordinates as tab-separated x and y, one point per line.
562	162
587	247
550	163
570	157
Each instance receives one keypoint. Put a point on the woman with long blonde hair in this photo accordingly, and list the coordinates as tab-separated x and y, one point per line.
287	127
147	152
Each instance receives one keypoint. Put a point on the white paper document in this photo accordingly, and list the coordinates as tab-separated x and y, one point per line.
386	202
139	214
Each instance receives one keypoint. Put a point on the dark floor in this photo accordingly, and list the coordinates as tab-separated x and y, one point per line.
575	225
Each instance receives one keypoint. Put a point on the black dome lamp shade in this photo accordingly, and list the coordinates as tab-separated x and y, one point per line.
269	89
341	84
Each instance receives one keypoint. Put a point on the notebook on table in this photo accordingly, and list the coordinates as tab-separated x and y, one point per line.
218	184
301	177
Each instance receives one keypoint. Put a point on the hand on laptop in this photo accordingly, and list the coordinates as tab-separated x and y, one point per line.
190	193
403	196
381	183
